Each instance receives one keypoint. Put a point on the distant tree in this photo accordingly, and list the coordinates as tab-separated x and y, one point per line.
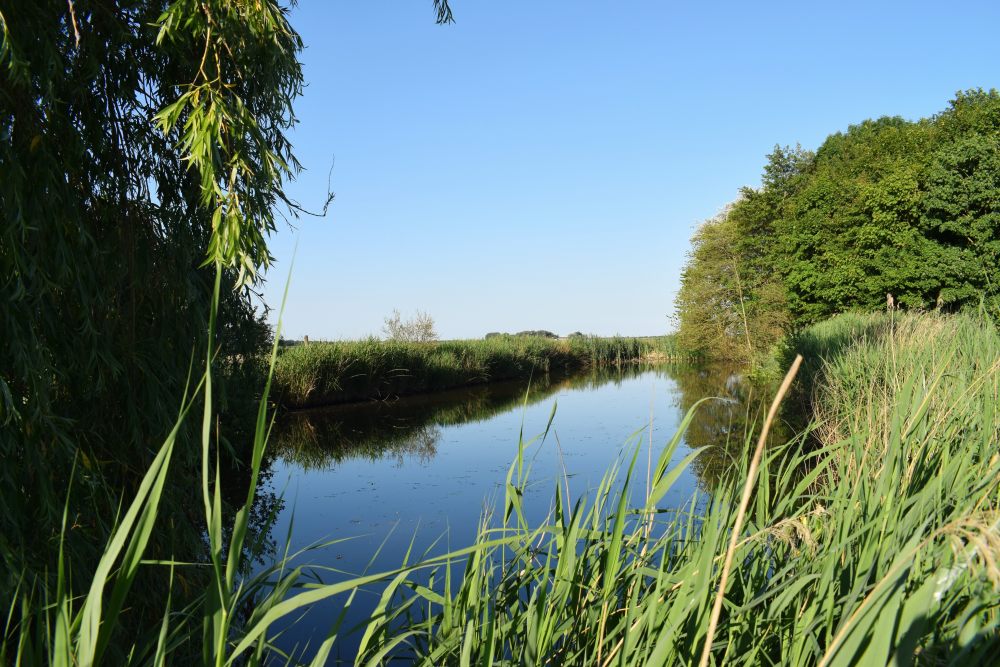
416	329
539	333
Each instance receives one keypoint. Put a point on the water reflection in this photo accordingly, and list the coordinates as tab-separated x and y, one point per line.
411	426
728	425
418	473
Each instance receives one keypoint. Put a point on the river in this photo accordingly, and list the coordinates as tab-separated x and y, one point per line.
379	477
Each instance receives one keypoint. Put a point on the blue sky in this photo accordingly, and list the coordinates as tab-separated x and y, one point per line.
541	165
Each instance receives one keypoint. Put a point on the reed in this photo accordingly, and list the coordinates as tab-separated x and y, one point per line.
872	537
345	371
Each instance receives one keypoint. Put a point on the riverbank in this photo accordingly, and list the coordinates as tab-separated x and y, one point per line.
872	537
346	371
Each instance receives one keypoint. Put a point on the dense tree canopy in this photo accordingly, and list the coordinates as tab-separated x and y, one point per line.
143	145
888	207
143	159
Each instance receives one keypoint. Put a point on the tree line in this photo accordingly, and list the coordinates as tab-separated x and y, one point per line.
897	213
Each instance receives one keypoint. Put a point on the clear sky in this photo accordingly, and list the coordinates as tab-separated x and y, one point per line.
541	165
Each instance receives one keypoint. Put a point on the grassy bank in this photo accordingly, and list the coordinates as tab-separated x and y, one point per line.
873	537
341	372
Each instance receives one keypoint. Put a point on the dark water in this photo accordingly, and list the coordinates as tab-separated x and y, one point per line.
424	469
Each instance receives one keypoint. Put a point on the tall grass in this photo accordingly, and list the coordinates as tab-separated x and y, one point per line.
880	543
873	537
344	371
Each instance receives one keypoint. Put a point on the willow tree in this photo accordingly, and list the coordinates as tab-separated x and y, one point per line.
143	151
144	146
727	308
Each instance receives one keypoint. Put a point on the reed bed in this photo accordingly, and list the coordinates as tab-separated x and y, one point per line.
873	537
344	371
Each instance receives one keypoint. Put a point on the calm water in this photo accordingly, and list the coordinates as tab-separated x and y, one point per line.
429	466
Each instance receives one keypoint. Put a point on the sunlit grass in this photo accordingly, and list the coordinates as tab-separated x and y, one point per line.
877	541
872	537
343	371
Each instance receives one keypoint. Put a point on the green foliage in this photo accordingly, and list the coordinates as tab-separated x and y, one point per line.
325	373
887	207
849	227
960	215
729	307
142	145
876	545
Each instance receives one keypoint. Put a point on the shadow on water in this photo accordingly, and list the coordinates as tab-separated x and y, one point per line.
411	426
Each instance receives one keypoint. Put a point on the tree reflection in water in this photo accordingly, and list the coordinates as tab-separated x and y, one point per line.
726	424
411	427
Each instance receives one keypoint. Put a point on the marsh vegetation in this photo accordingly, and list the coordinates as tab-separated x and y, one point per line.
870	538
345	371
144	160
